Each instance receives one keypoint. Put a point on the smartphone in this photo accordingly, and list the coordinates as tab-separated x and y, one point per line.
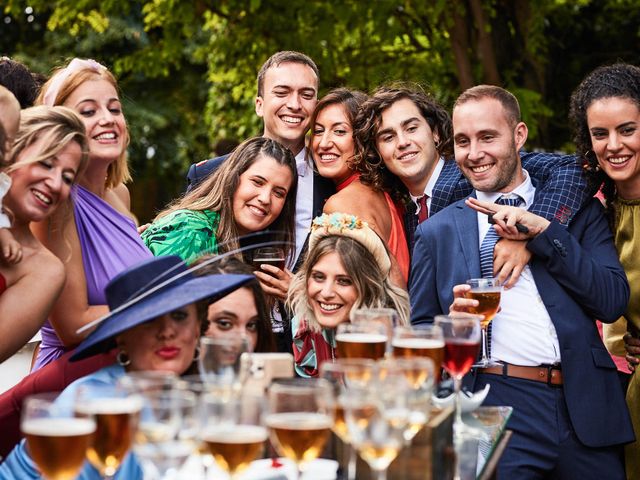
264	367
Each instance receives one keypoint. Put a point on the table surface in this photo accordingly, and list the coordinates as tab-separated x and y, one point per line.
492	422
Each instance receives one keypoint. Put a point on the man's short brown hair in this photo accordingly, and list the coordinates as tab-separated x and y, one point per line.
286	56
508	101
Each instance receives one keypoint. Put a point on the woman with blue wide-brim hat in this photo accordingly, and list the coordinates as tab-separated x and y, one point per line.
158	311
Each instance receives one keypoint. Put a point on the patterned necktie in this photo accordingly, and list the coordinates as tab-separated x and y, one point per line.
423	214
486	253
490	240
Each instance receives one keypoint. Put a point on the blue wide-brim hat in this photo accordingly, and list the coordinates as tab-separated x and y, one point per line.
148	290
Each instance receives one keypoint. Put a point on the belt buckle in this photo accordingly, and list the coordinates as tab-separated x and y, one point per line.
550	369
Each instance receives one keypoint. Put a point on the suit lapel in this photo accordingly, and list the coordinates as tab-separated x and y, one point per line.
466	221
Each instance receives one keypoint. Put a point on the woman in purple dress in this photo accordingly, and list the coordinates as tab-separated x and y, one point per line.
98	238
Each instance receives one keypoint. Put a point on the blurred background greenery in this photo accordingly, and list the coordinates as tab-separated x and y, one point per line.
187	68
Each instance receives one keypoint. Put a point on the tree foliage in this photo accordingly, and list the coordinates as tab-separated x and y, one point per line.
187	69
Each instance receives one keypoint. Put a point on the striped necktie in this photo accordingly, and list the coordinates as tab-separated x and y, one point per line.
486	253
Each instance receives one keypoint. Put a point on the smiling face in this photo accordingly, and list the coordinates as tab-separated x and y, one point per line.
289	96
234	315
407	145
331	291
261	194
38	188
486	145
332	143
98	104
614	127
166	344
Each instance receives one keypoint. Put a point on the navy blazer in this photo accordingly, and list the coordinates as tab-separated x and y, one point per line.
579	278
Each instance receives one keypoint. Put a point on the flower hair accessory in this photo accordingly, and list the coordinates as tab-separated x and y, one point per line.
343	224
61	76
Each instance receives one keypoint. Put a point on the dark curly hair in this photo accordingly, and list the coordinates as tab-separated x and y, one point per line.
619	80
351	101
367	123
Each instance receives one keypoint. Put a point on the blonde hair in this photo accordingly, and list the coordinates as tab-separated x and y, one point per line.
374	288
59	126
118	171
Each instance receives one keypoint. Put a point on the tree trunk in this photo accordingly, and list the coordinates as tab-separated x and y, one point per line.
485	45
460	45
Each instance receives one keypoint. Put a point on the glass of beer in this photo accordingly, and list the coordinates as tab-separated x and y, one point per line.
270	256
220	361
487	292
168	431
420	341
233	432
57	436
461	344
419	375
343	374
377	416
385	316
362	340
300	414
116	412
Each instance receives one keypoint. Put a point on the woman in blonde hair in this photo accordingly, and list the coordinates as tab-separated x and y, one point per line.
49	153
98	238
347	268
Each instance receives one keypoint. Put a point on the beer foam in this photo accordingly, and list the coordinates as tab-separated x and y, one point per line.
58	427
417	343
299	421
235	434
361	337
112	406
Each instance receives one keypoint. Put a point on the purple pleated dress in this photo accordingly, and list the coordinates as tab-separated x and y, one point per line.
110	243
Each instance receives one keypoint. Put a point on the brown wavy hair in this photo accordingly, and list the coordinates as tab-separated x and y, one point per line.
216	192
619	80
351	101
367	124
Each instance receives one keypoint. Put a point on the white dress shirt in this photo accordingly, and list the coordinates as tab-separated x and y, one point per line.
522	332
428	189
304	203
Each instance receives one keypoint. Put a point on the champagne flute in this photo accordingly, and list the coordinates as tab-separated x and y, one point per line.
233	431
300	416
377	417
269	255
487	292
167	434
220	362
57	436
461	345
116	412
343	374
420	341
362	340
419	374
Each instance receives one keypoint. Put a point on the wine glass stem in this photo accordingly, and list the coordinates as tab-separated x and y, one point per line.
381	474
485	347
457	384
350	453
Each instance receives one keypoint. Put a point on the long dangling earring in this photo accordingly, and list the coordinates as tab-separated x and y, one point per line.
123	359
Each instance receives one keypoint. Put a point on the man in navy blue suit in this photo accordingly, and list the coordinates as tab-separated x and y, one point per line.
408	134
570	419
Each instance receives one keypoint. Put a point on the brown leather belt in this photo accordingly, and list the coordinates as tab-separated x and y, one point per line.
549	374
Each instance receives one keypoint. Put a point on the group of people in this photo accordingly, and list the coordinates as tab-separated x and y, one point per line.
347	187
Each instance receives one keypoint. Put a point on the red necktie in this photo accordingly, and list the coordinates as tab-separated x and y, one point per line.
423	214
